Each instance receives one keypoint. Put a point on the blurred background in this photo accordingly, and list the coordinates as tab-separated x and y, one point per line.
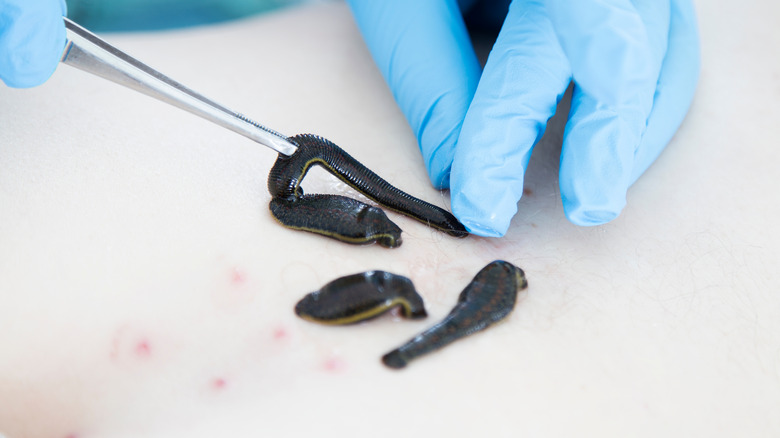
143	15
481	16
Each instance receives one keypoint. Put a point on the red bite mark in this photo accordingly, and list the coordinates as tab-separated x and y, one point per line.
237	276
128	343
334	365
280	333
142	349
218	383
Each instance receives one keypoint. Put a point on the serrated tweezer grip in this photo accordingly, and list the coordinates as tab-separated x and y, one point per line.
85	51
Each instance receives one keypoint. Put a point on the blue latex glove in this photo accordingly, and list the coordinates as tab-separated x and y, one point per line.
32	37
634	64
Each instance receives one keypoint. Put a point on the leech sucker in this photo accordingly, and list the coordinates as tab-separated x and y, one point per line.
358	297
489	298
286	175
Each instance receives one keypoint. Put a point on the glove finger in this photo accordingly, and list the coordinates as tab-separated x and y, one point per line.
525	76
32	37
655	15
596	160
608	46
676	86
424	53
615	68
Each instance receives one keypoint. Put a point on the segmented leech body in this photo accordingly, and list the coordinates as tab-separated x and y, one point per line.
359	297
284	184
489	298
343	218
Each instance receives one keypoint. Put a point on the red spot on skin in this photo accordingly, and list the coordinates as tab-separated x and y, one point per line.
218	383
334	365
237	276
527	192
71	435
280	333
142	348
130	343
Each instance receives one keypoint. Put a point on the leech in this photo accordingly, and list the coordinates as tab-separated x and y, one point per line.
358	297
489	298
295	210
342	218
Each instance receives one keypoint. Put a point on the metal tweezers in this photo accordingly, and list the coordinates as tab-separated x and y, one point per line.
86	51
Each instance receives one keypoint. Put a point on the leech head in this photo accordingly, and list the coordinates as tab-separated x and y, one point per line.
394	359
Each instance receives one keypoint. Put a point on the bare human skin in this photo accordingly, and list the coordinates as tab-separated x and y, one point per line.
146	291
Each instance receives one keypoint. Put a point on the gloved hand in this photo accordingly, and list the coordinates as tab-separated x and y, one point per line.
32	38
634	64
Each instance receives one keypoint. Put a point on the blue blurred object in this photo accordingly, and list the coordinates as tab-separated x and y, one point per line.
634	64
143	15
32	33
32	37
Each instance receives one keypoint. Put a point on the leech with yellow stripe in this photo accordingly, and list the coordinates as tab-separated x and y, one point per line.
487	299
339	217
359	297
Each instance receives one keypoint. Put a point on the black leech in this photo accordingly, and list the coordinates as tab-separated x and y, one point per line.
284	184
342	218
359	297
489	298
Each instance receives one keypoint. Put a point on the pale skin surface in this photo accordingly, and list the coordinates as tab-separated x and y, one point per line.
145	290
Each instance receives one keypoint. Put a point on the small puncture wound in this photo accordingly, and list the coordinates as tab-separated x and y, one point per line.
339	217
359	297
489	298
